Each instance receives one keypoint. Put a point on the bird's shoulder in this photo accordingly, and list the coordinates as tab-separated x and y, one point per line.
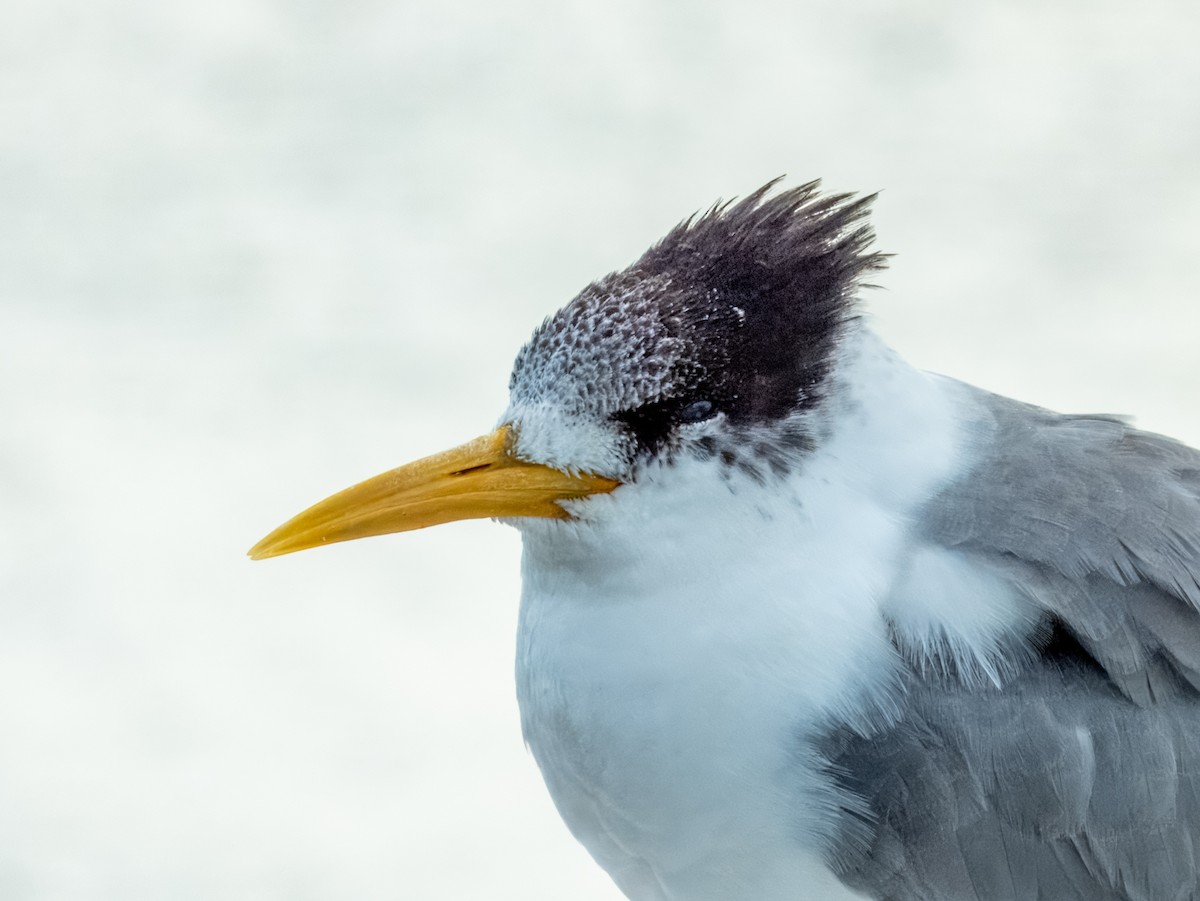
1070	771
1096	524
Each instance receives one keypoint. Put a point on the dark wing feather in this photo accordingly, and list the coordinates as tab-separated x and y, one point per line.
1049	789
1078	780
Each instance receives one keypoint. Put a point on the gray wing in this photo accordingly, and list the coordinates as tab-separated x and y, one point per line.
1100	523
1045	790
1079	778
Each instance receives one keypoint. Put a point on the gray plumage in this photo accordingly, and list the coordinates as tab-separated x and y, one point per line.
1055	760
1077	780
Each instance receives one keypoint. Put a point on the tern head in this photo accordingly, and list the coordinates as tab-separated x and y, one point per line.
715	345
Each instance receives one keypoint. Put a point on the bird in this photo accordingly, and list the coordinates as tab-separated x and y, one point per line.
801	621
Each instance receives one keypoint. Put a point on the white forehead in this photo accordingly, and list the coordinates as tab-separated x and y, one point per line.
544	433
608	350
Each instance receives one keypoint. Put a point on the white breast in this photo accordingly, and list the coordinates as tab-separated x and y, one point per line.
677	650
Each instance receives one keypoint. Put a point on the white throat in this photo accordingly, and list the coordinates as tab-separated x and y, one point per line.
680	647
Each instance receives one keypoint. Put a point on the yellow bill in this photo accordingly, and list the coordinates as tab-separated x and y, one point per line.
477	480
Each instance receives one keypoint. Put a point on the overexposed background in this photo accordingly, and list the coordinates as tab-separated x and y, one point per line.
252	251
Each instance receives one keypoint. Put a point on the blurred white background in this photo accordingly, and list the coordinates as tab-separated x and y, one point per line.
254	250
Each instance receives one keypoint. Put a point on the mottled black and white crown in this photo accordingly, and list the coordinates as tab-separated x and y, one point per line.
737	311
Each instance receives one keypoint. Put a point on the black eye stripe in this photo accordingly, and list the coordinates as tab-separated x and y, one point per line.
652	424
649	425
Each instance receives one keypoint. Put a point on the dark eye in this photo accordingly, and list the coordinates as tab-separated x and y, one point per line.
652	424
696	411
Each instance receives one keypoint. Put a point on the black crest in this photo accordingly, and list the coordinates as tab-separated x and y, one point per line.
737	312
762	287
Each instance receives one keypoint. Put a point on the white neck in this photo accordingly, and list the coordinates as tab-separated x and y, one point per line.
679	646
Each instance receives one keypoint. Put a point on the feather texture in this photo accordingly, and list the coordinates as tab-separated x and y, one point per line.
1077	777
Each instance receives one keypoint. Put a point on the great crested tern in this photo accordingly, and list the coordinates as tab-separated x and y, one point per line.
800	621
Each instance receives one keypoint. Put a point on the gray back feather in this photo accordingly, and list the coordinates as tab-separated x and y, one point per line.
1079	780
1099	523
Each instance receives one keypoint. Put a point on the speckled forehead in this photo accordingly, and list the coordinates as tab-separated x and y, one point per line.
612	348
